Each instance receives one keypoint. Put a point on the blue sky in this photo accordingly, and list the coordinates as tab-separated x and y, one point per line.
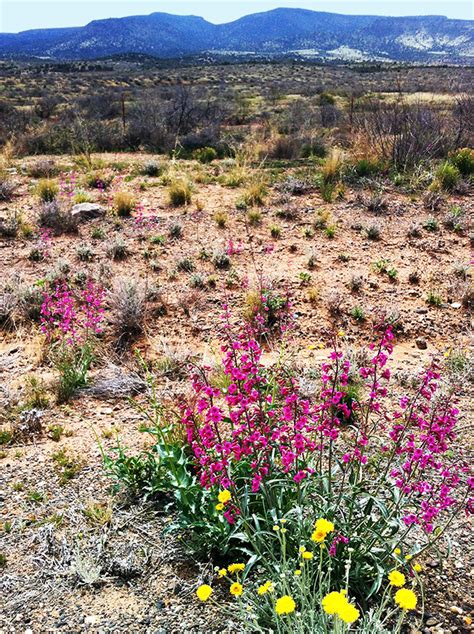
17	15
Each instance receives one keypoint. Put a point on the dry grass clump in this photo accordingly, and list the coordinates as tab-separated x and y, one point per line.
179	192
128	302
124	204
47	189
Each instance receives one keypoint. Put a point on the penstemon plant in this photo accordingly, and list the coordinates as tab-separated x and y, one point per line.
385	476
70	320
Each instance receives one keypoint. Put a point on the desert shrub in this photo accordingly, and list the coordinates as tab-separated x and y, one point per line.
448	176
221	261
151	168
70	320
7	189
10	226
47	190
9	304
128	302
179	193
118	250
176	231
56	217
373	232
43	168
205	154
124	204
463	160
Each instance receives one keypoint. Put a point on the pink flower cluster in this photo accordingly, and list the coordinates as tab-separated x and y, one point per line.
70	316
260	427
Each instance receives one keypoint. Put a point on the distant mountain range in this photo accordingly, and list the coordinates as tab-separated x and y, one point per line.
281	32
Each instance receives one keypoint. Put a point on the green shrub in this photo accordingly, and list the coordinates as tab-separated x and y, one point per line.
463	159
205	154
448	176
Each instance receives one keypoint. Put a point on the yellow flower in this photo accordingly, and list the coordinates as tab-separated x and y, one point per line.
396	578
341	333
276	528
224	496
406	599
236	568
204	592
266	587
408	557
307	555
397	551
311	346
236	589
297	572
324	525
318	536
285	605
333	602
283	530
222	572
302	549
348	613
283	520
417	568
219	507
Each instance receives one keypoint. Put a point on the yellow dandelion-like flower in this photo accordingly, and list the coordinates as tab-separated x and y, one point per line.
396	578
222	572
307	555
324	525
348	613
333	602
283	530
417	568
204	592
406	599
302	549
219	507
408	557
283	520
311	346
297	572
341	333
266	587
224	496
285	605
276	528
236	568
318	536
236	589
397	551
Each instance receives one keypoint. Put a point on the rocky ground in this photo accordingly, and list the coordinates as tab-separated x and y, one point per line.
80	558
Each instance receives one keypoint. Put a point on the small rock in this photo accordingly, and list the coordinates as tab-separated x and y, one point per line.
87	211
456	305
90	620
455	609
421	343
432	621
